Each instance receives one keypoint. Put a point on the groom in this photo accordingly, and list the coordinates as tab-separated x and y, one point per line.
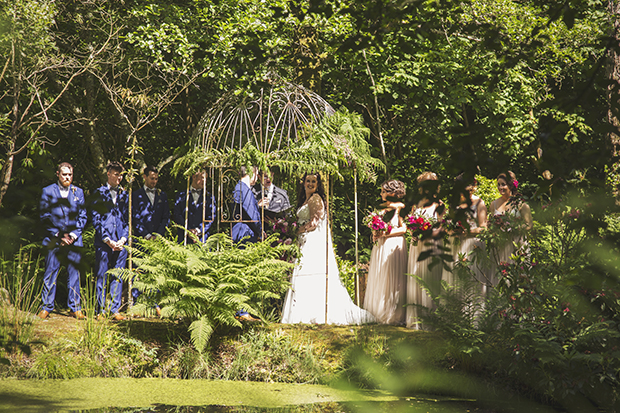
248	229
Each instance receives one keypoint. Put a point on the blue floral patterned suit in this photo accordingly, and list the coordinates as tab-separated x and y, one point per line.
60	216
247	208
150	218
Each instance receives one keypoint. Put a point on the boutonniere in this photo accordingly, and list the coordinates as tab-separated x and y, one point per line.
73	189
158	191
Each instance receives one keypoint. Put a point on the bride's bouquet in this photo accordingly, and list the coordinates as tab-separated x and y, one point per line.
375	222
420	225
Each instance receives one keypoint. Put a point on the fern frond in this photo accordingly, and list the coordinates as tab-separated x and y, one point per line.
200	333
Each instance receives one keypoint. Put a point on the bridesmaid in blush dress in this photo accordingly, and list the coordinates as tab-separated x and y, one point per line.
385	290
509	205
473	211
467	249
429	207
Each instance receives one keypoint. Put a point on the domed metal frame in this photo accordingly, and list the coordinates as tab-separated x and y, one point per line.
269	119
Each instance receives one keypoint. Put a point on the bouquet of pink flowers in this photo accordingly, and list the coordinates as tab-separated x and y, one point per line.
286	227
451	226
375	222
419	224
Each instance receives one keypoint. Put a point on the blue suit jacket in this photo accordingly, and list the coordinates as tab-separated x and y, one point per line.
110	220
147	218
194	219
60	215
246	208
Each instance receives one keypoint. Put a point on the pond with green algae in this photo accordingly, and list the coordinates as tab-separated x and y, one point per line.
193	396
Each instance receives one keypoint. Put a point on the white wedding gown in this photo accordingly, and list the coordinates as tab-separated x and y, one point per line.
305	300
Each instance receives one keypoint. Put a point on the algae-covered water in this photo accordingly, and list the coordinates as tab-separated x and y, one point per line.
192	396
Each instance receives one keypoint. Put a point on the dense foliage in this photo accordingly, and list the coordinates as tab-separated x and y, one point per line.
476	86
551	325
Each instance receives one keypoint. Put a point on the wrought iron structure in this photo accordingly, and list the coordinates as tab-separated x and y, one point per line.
270	118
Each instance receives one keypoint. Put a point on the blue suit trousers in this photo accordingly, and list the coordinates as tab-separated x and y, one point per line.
107	260
52	268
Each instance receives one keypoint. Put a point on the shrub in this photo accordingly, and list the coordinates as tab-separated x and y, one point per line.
206	284
552	324
272	356
20	288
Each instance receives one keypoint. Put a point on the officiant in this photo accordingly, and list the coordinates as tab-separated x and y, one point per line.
274	199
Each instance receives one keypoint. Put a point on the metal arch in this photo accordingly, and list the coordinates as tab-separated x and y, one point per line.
269	119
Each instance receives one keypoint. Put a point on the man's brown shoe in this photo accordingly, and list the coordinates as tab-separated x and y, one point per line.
158	311
43	314
100	317
118	317
78	315
246	317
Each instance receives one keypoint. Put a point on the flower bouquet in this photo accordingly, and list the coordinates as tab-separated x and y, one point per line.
420	225
452	226
285	227
375	222
503	230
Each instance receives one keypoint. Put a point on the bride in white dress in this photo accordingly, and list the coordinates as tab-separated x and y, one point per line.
305	300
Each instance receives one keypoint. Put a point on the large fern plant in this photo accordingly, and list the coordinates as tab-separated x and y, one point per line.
208	283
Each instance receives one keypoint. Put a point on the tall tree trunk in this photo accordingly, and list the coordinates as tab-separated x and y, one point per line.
308	59
613	72
6	172
613	91
92	137
7	167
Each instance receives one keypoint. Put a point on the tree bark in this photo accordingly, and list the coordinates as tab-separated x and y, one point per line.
5	174
92	137
613	72
308	59
613	91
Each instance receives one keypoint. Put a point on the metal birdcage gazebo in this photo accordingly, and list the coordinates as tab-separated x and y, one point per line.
271	118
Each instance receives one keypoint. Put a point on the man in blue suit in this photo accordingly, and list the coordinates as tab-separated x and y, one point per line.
191	207
110	218
249	230
150	211
246	207
64	216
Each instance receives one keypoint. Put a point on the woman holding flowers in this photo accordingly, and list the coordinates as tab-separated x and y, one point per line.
317	270
385	289
511	219
425	233
469	220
